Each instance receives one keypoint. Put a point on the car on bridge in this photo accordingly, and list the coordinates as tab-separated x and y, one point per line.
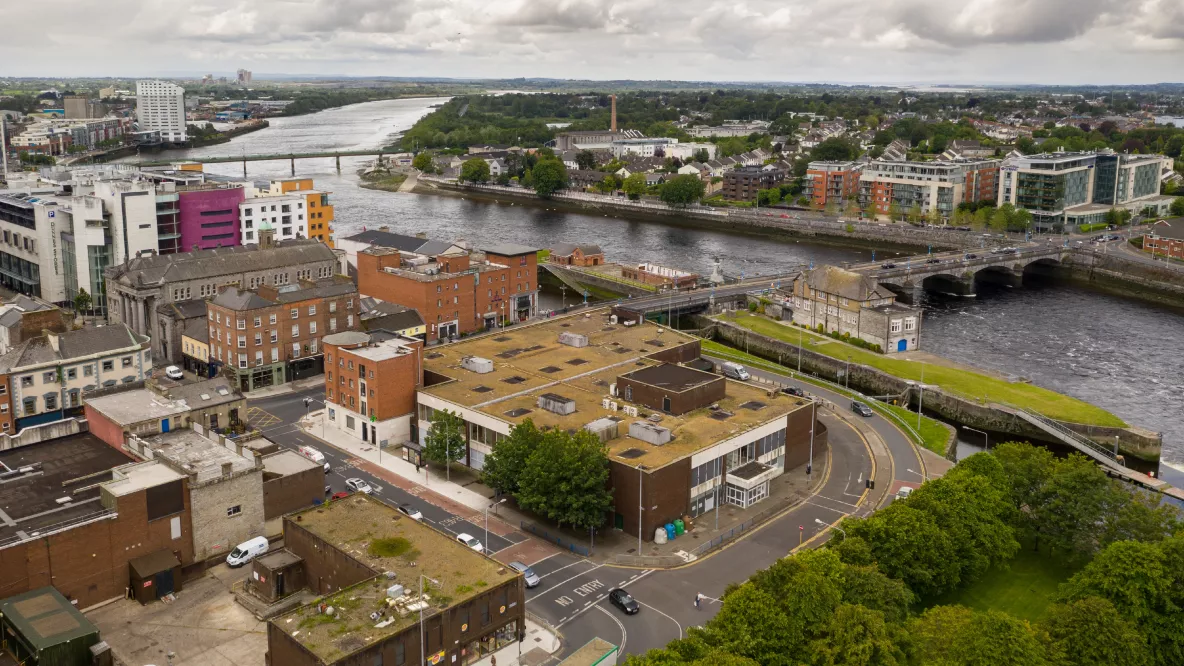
933	260
972	256
888	265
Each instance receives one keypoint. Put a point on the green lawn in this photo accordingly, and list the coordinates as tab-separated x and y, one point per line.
972	385
934	434
1023	590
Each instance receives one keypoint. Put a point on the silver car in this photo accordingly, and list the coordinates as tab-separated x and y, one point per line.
532	579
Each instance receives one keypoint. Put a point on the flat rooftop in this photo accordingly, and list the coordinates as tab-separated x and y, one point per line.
191	451
529	361
136	406
287	463
384	540
134	478
676	378
29	502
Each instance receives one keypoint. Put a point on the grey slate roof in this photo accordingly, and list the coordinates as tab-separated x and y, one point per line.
71	344
392	240
194	307
232	298
196	329
162	269
218	390
508	249
321	289
845	283
566	249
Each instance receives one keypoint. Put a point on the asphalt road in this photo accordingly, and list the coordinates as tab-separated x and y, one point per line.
289	408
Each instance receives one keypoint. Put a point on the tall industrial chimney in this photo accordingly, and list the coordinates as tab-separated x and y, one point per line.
613	124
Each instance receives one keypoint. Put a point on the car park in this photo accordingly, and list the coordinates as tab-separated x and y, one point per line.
470	542
622	599
861	408
358	485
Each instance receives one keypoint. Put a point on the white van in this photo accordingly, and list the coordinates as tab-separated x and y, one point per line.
904	492
247	551
735	371
314	455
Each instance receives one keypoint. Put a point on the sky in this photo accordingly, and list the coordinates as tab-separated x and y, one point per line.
838	41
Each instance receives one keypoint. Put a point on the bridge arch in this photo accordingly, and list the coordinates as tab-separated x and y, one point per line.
1044	267
1001	274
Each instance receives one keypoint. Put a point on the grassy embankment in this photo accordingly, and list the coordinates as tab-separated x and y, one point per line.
955	380
1024	588
933	434
380	180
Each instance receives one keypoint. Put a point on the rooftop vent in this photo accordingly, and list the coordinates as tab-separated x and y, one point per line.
477	364
435	355
721	415
754	405
573	339
534	348
518	411
553	402
648	432
550	369
622	350
604	429
510	353
576	361
656	343
482	389
514	380
502	338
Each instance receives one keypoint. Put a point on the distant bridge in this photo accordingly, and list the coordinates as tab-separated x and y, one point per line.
291	157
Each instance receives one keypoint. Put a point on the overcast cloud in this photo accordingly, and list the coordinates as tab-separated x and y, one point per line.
851	41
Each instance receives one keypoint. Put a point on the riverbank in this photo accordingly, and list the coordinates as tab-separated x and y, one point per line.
226	135
382	180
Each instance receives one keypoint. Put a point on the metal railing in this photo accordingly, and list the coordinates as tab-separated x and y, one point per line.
1056	429
563	541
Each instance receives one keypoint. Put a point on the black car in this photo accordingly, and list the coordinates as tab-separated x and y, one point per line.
860	408
889	265
972	256
793	390
621	599
934	260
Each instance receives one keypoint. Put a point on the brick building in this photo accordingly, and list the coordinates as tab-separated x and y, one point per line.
147	409
477	604
661	276
290	482
370	384
717	441
272	335
831	183
457	291
117	511
1165	238
934	188
842	301
567	254
743	183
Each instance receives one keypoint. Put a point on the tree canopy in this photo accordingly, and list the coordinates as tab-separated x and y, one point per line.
474	170
548	177
682	190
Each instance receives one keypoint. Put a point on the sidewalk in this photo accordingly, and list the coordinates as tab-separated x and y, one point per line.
287	387
541	642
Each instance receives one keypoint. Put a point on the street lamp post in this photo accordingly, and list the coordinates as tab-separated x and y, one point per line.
422	646
986	439
847	375
799	350
501	501
813	421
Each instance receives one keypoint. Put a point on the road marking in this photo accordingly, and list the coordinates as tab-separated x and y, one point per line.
564	567
564	601
676	623
261	418
624	634
588	588
556	585
837	501
543	560
828	508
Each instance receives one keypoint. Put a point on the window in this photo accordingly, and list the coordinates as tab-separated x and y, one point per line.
349	304
295	349
242	324
275	354
127	361
295	313
895	326
295	330
51	402
242	360
49	377
234	510
108	366
910	323
258	338
275	335
312	310
333	324
29	406
312	328
26	381
242	342
88	370
332	307
272	319
258	321
259	357
72	373
349	321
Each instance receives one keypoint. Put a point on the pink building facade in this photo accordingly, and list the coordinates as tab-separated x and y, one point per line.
209	216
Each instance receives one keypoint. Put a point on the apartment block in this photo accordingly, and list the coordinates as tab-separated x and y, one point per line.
743	183
457	291
830	183
317	208
370	384
160	107
929	186
271	335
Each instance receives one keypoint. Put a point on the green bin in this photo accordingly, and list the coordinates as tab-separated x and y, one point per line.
679	528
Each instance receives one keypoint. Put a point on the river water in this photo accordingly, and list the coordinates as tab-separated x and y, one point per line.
1119	354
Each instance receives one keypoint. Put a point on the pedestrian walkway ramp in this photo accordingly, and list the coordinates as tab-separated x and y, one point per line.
1104	456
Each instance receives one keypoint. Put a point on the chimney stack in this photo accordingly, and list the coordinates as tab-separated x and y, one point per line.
613	123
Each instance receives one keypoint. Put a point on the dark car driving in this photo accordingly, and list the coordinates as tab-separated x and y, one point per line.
793	390
860	408
621	599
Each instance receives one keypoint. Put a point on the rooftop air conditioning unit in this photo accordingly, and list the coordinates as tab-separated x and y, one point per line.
573	339
605	429
477	364
553	402
648	432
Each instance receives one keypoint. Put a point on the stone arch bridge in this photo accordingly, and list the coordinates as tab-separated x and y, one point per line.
958	272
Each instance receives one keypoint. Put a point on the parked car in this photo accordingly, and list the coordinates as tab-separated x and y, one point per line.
340	495
173	372
528	574
861	409
410	511
621	599
359	486
793	390
470	542
247	551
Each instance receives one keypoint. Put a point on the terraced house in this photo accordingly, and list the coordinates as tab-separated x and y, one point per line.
42	379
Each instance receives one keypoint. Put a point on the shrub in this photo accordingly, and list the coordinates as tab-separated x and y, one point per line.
752	307
392	547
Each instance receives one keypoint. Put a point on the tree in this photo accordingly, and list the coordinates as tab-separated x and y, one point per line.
82	302
909	545
475	170
851	208
1090	631
868	586
505	464
835	149
956	635
445	441
894	211
1027	469
634	186
857	636
915	214
682	191
769	197
1178	207
566	479
1077	497
1139	516
548	177
586	159
701	155
423	162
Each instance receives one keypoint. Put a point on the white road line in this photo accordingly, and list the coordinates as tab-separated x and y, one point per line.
556	586
544	560
564	567
676	623
624	634
831	499
828	508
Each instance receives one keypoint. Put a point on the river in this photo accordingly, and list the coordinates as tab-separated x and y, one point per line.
1119	354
